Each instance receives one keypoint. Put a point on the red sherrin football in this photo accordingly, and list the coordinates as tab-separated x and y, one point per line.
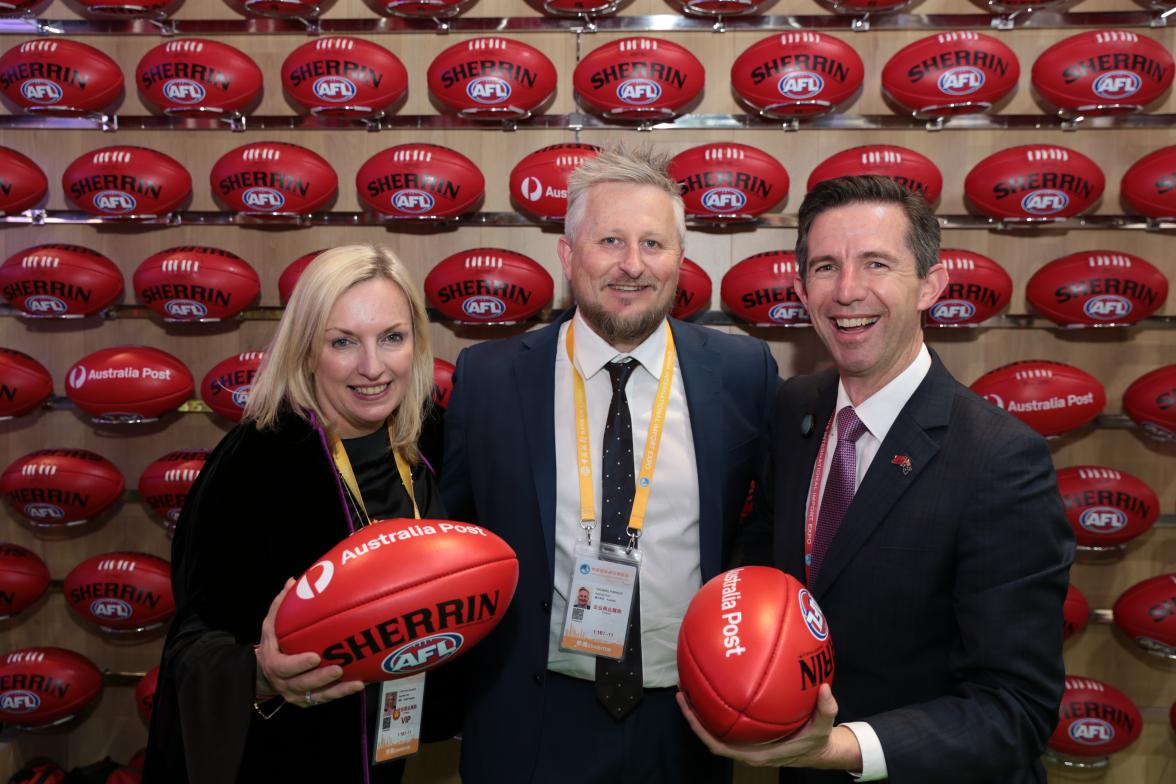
304	9
420	181
196	283
1146	612
24	383
399	597
797	74
488	286
59	76
289	277
694	290
127	8
1151	402
1050	397
539	182
491	78
1103	72
145	693
44	686
761	290
273	177
729	180
639	78
52	487
195	76
128	384
1075	612
344	75
1097	287
425	8
1106	507
575	7
125	180
22	183
913	170
753	649
1149	186
24	578
726	8
121	591
958	72
442	381
977	289
1096	719
164	483
65	281
226	387
1034	181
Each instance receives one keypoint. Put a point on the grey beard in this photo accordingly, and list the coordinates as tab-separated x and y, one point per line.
632	330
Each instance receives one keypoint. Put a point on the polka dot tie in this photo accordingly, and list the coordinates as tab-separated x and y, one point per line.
618	683
839	488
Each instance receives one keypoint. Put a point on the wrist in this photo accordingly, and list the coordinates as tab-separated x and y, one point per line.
262	689
842	752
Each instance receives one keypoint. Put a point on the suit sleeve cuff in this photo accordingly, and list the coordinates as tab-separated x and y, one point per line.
873	760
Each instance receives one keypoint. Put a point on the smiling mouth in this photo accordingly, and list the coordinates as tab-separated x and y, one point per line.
858	324
369	391
627	288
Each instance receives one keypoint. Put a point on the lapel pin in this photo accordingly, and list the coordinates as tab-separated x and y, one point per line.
904	462
806	425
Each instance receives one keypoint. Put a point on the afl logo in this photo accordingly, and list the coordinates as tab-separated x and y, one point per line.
43	304
531	189
800	85
413	201
638	92
488	90
19	701
483	307
814	619
185	91
316	580
1045	201
185	309
335	89
77	376
263	199
118	202
111	608
422	654
43	512
1106	307
952	311
241	395
788	312
1117	84
723	199
1092	732
1103	519
41	91
961	80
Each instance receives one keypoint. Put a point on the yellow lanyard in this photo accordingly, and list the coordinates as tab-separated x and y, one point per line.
661	402
343	463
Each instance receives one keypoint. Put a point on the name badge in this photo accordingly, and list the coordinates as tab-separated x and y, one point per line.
600	598
398	732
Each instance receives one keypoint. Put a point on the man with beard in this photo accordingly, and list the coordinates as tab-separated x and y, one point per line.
614	448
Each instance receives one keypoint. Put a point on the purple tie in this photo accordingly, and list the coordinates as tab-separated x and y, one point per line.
838	488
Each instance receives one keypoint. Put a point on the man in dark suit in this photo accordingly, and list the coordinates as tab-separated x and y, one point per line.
925	521
515	463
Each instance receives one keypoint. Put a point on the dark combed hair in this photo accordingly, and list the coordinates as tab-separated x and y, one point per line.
922	235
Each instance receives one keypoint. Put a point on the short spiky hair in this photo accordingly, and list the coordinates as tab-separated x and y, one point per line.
641	166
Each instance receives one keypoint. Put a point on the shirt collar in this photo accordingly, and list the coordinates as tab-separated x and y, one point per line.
593	352
880	409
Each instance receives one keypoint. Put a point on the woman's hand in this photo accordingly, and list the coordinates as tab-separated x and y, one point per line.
296	679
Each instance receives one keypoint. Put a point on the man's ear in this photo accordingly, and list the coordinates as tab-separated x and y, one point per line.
933	285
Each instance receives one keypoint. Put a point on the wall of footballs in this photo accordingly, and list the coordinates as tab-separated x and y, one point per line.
167	170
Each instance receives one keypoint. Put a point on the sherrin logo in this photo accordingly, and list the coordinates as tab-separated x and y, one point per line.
723	199
483	307
951	311
800	85
19	701
41	91
1117	84
814	619
488	90
43	303
1103	519
335	89
316	580
1092	732
184	91
185	309
422	653
638	92
115	609
119	202
1044	201
413	200
1106	307
263	199
961	80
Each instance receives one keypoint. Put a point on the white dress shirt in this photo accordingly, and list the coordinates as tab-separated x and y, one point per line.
671	571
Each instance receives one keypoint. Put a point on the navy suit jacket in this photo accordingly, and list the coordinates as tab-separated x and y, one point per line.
499	471
943	586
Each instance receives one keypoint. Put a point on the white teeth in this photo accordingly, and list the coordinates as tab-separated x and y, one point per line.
850	323
627	288
375	390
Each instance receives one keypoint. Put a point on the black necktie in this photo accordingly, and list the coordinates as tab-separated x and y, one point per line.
618	683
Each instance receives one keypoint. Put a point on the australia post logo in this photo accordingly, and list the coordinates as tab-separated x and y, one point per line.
422	654
77	376
315	581
814	619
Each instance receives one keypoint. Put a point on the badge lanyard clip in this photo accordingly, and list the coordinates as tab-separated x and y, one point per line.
343	464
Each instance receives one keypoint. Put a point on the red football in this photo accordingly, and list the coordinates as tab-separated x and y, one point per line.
1096	719
56	487
128	384
724	181
420	181
24	578
66	281
639	79
488	286
913	170
717	7
59	76
1149	186
951	73
196	76
124	180
1097	287
196	283
1034	181
44	686
1075	612
1103	72
421	591
1146	612
128	8
22	183
491	78
1151	402
24	383
305	9
273	177
977	289
576	7
1106	507
761	290
10	7
857	7
1050	397
694	290
797	74
226	387
442	381
122	591
425	8
289	277
753	649
164	483
145	693
343	75
539	182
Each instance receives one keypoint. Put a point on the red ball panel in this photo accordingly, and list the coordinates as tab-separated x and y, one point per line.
343	75
165	483
289	277
22	183
1151	402
59	76
539	182
1149	186
639	79
425	8
61	486
129	383
194	76
442	382
488	286
24	578
1075	612
42	686
1146	612
420	181
124	180
797	74
101	9
1105	506
1097	287
753	649
977	289
950	73
273	177
1103	72
24	383
491	78
145	693
196	283
913	170
1050	397
227	386
1034	181
367	583
1095	719
725	8
761	290
121	591
694	290
720	180
60	280
278	8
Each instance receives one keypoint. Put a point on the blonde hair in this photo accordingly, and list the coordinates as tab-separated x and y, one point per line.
640	166
286	378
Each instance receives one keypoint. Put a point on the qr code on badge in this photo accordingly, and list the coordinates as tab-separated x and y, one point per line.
577	613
